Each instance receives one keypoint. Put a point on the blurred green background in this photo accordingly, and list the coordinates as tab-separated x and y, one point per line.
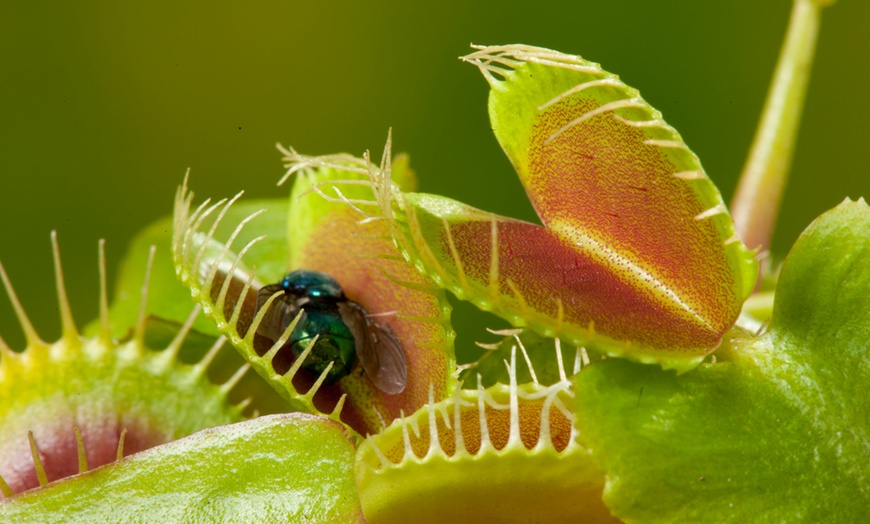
104	105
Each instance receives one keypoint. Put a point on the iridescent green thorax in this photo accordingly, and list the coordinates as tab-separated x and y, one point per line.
312	284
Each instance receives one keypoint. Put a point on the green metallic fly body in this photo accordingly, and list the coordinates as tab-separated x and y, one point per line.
345	330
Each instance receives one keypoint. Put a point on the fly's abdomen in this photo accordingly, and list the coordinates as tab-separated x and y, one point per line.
335	342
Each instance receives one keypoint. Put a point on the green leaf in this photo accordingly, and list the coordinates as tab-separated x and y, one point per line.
280	468
637	255
822	296
778	431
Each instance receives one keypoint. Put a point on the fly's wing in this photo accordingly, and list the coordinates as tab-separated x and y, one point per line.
275	321
377	347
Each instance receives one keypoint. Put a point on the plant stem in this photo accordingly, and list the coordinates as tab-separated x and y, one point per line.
756	203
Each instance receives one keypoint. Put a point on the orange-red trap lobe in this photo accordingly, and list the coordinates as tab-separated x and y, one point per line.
604	183
350	253
546	270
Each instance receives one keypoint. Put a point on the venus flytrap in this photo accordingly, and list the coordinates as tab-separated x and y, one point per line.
607	176
488	454
81	402
636	258
322	236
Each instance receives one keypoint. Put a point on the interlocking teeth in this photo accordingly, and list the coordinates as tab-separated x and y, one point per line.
488	454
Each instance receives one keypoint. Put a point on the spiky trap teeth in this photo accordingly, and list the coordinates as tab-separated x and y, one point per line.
227	292
83	402
498	454
404	318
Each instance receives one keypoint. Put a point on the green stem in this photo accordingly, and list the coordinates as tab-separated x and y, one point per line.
756	203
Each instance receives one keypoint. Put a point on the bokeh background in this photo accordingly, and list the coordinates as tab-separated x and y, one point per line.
104	105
